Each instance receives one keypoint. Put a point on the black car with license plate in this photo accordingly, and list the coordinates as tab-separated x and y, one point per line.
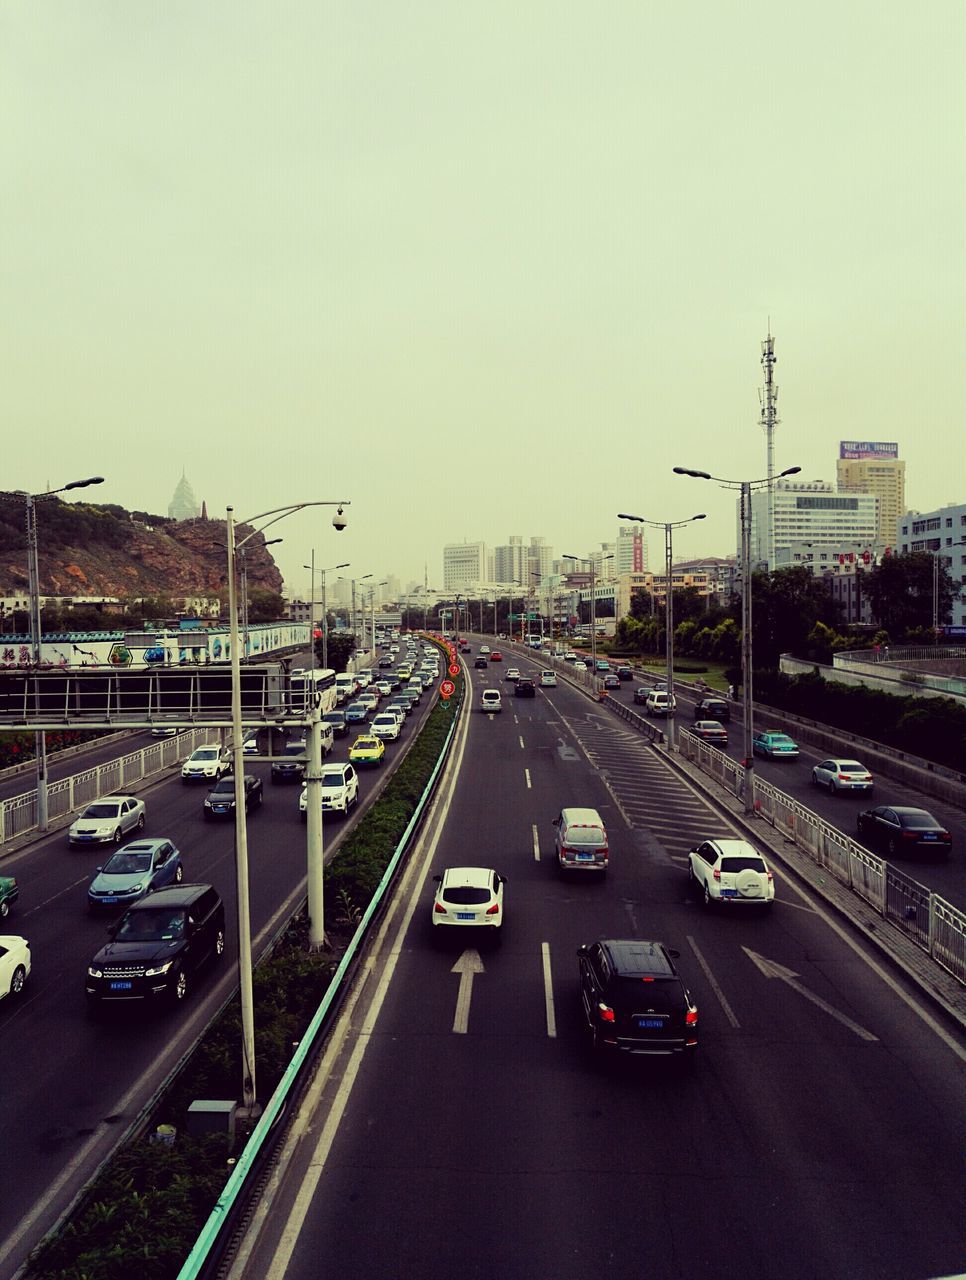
712	709
525	688
220	800
481	660
898	829
158	947
336	721
290	766
634	1000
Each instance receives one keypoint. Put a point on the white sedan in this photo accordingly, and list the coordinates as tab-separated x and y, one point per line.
107	821
469	897
731	872
385	725
14	964
842	775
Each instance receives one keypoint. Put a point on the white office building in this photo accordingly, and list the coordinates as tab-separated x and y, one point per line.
511	562
464	566
941	533
809	512
630	554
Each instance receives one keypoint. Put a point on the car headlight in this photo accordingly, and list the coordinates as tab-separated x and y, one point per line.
135	888
160	969
94	973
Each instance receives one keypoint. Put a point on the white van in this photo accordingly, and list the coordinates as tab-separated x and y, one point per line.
490	700
659	702
581	840
345	686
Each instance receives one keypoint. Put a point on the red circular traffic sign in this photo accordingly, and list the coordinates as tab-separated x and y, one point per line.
454	669
447	689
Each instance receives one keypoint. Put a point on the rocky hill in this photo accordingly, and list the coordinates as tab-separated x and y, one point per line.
90	550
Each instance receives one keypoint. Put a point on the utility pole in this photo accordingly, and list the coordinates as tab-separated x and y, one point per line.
768	397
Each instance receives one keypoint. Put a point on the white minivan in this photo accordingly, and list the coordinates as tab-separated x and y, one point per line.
580	841
659	702
490	700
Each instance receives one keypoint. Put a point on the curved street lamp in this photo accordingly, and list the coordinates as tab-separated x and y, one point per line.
325	616
667	526
744	487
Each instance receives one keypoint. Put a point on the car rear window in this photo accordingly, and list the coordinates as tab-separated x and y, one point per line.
586	835
466	895
917	820
749	863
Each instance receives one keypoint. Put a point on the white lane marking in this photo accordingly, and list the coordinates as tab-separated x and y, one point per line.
713	982
548	989
61	894
529	783
536	844
467	966
522	748
772	969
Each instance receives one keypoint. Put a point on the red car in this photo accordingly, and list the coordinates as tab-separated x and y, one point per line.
495	656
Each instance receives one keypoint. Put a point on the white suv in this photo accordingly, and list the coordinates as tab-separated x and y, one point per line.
731	871
206	763
340	790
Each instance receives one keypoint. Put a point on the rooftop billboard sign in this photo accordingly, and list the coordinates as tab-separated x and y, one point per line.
868	449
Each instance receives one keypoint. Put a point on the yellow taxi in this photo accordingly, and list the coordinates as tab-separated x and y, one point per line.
367	749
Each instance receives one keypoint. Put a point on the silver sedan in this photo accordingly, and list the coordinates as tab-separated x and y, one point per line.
842	775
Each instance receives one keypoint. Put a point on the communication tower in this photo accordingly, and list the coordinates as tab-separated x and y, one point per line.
768	397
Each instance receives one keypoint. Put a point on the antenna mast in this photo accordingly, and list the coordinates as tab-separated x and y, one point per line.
768	397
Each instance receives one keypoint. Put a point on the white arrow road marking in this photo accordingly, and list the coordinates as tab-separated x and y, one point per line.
548	990
536	844
468	965
771	969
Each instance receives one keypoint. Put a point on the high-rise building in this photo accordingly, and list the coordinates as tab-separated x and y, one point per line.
464	566
809	512
631	549
941	533
184	504
510	562
871	466
540	558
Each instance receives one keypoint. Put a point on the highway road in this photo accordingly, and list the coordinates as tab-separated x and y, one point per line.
72	1084
821	1132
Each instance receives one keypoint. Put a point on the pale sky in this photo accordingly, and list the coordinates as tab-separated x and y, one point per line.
482	269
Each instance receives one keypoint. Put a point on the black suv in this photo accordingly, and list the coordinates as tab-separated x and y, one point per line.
525	688
481	661
634	999
220	800
158	946
712	709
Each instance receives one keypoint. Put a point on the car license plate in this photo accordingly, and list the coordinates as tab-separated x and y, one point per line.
585	857
929	835
120	986
220	808
729	893
466	915
650	1024
108	900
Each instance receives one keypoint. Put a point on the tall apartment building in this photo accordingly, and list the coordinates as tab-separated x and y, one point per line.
809	512
630	555
464	566
872	466
511	562
540	558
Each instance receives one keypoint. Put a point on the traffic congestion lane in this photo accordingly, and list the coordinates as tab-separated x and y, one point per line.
70	1105
508	1135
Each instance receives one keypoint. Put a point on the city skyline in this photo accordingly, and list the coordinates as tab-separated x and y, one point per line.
470	282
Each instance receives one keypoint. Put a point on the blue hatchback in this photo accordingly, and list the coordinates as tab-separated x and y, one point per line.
134	871
356	712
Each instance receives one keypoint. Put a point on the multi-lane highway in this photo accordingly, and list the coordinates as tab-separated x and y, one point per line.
463	1127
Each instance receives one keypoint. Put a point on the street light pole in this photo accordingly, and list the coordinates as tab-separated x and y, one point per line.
313	773
668	526
744	487
325	614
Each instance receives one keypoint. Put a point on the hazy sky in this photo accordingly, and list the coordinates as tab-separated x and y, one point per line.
480	268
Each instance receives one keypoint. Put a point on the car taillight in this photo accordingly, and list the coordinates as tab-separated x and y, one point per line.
691	1018
494	910
769	875
716	874
439	909
910	835
606	1012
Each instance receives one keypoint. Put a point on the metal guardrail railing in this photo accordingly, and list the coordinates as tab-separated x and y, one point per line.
205	1255
933	923
18	815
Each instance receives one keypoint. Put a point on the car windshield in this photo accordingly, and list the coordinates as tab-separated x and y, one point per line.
586	835
743	863
466	895
206	753
156	925
333	779
128	864
223	787
101	811
293	749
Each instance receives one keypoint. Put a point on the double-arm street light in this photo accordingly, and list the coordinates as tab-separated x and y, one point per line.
668	526
355	621
325	615
313	774
372	609
744	487
33	579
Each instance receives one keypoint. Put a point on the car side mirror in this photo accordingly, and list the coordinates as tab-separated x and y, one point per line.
112	928
438	879
582	949
675	955
96	869
556	822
